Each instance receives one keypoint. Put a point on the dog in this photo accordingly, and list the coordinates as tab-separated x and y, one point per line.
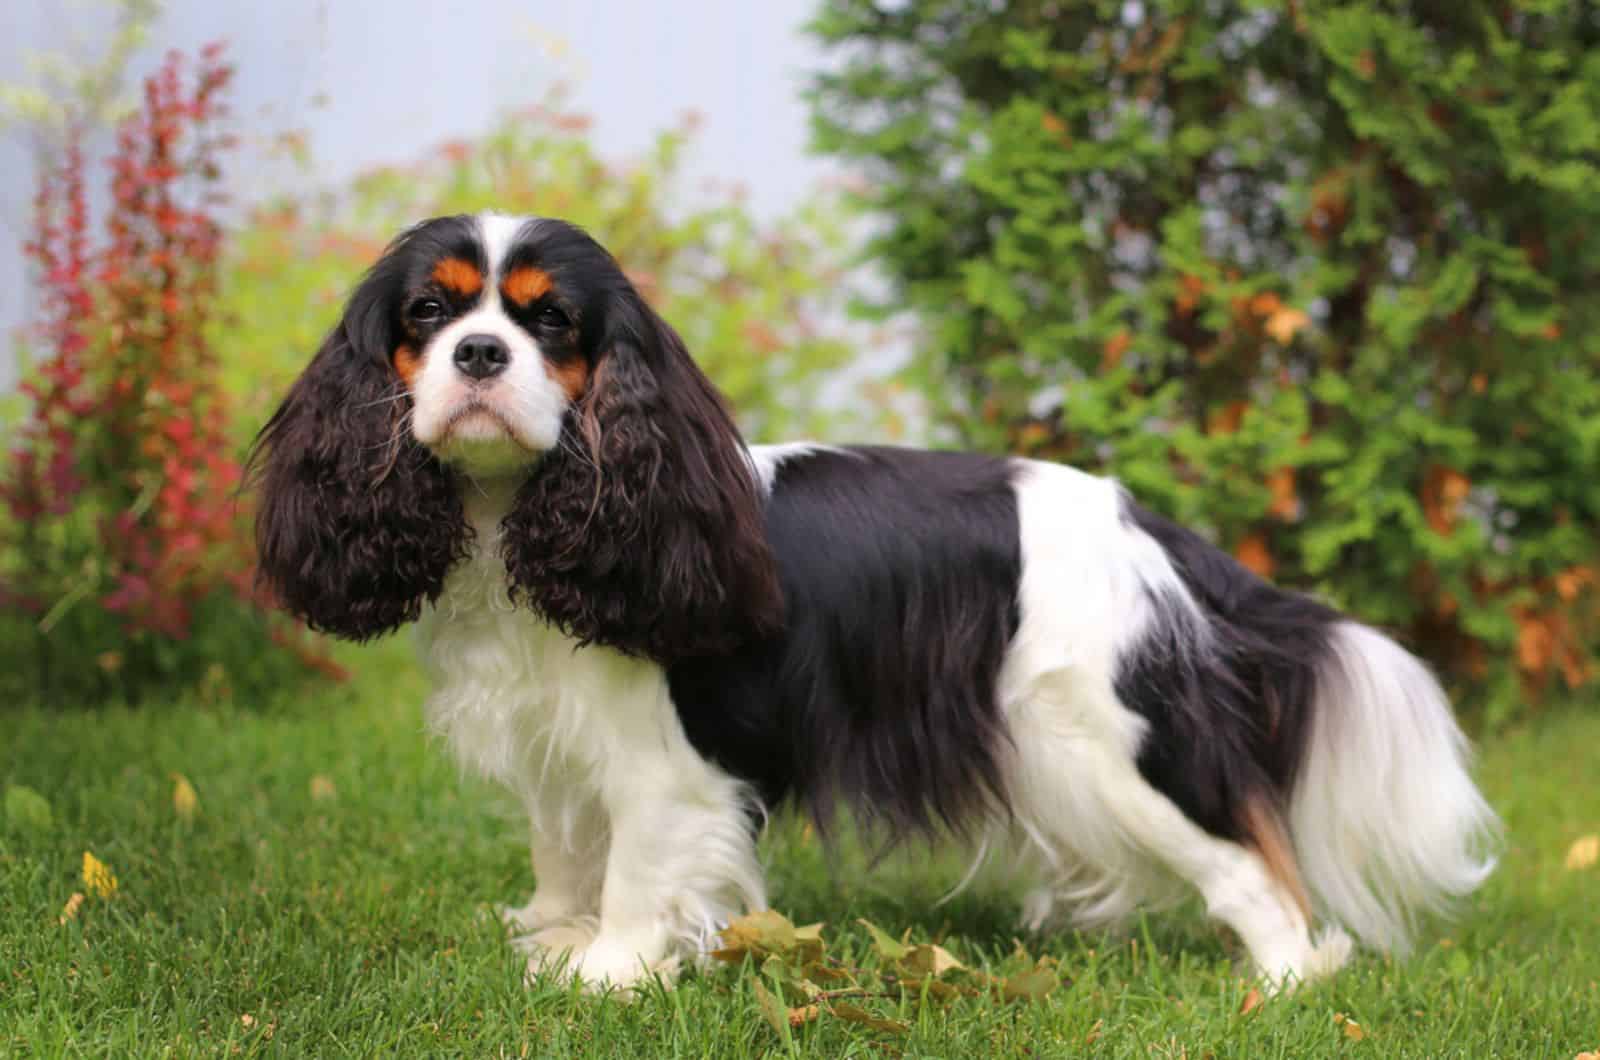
653	634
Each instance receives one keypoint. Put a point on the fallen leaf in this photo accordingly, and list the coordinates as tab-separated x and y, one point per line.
775	1011
1350	1028
1252	1001
70	910
322	788
184	799
937	989
98	877
804	1014
887	946
846	1011
26	808
1583	853
761	934
248	1020
1094	1032
1031	985
929	960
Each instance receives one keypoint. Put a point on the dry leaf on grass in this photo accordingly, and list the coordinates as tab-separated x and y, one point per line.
850	1013
184	800
322	788
98	877
1583	853
1252	1001
70	910
1351	1029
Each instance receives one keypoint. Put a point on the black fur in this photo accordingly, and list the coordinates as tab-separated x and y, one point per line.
357	523
1228	723
901	570
642	529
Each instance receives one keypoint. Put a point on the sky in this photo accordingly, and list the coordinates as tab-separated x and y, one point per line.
373	83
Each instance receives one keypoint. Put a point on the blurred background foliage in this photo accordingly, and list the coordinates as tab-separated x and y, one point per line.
1312	278
762	305
1315	278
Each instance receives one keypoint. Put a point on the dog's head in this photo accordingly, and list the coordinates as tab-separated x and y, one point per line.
516	350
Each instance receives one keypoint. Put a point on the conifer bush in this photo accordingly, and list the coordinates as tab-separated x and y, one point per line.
1319	278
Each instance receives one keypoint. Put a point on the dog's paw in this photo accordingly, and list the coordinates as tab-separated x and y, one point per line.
1320	960
604	966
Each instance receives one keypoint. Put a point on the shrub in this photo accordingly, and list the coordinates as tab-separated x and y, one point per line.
1315	277
121	538
760	304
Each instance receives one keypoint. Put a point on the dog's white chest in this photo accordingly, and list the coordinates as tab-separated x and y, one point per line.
518	700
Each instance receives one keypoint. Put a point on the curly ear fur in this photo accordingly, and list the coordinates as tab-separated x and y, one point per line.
357	523
643	529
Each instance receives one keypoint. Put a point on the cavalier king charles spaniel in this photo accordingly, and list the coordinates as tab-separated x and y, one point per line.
655	634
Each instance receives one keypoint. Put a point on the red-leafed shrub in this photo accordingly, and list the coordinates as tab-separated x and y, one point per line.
123	565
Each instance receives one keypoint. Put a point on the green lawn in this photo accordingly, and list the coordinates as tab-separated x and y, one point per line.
332	895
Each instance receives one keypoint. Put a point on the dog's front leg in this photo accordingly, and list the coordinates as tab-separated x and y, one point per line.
682	862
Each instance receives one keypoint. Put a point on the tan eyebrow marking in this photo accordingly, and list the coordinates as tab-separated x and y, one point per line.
461	277
524	283
406	363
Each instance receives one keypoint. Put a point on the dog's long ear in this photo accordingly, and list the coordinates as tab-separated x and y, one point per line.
643	530
357	523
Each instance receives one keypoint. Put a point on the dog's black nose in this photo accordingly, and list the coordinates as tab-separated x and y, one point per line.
481	356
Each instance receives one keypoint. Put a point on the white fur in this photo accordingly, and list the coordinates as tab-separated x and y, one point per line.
1384	816
1386	821
766	459
643	850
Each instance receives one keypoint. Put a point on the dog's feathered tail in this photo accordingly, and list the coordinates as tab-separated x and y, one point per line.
1385	820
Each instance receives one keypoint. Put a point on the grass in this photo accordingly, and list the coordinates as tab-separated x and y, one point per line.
332	896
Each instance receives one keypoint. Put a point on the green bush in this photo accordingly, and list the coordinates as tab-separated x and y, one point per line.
760	304
1316	277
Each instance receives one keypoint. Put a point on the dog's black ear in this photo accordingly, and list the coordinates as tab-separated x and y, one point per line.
357	523
643	530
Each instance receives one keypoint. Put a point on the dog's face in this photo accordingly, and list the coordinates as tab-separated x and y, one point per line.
495	322
516	349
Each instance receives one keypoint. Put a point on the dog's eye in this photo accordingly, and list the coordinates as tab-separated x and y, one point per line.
426	310
552	317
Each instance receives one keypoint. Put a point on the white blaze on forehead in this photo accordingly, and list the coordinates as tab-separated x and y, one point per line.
499	233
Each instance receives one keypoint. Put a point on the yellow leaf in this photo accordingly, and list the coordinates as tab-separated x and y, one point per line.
97	877
184	799
1584	853
70	910
929	960
1284	323
804	1014
1352	1030
322	788
855	1014
1252	1001
776	1013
